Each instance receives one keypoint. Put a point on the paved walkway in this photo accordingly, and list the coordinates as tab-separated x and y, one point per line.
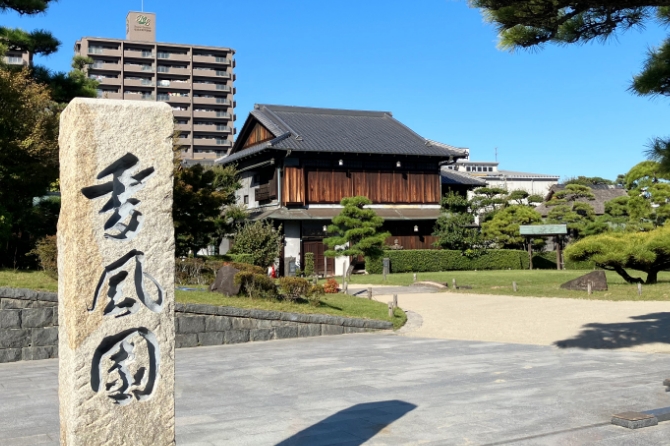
636	326
379	389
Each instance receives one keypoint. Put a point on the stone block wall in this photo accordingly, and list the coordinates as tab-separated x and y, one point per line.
29	325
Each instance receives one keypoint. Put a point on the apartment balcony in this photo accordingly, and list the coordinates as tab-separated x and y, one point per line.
174	70
174	85
139	97
212	128
213	101
138	83
173	98
183	127
139	54
105	66
106	95
181	113
211	142
210	87
211	59
104	51
163	55
211	73
135	68
105	81
184	141
212	114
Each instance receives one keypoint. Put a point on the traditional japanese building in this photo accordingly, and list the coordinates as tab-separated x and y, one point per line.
297	163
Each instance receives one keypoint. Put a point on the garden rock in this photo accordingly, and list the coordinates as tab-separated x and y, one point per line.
224	282
598	281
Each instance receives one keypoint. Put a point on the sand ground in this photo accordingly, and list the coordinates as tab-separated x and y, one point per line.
637	326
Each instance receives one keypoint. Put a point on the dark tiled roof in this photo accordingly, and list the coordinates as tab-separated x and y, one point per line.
339	131
602	192
456	177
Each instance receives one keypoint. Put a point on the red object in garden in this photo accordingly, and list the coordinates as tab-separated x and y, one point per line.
331	286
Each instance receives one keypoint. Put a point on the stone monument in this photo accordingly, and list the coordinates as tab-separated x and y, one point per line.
116	274
597	280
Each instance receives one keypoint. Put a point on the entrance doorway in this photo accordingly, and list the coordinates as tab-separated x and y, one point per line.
318	248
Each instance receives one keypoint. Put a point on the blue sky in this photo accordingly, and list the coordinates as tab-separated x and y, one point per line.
433	63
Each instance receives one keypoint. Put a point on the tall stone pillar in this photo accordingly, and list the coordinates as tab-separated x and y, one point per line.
116	274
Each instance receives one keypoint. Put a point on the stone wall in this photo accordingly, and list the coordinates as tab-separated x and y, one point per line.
29	325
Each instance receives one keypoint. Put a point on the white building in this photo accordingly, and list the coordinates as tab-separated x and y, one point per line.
533	183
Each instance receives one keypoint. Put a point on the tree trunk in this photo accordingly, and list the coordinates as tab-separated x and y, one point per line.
622	272
652	277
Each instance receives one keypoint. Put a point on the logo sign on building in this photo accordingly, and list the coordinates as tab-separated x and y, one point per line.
141	26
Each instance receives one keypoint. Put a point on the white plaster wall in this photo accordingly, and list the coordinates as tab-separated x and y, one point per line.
292	241
246	189
540	187
341	265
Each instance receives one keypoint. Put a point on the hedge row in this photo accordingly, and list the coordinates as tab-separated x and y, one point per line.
433	260
547	260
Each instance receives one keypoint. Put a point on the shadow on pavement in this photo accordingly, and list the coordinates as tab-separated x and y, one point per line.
647	329
352	426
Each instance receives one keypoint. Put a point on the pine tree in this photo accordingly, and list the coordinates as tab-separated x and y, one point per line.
354	230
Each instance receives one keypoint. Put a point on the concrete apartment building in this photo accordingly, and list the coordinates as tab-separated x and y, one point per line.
197	82
13	57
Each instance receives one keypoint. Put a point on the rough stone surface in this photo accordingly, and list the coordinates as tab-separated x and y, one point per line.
10	319
634	420
261	335
186	340
116	256
10	354
36	317
236	336
35	353
597	278
224	282
210	338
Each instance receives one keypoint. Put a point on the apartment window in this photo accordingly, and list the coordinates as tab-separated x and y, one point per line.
221	59
221	73
246	199
163	97
147	53
479	168
490	169
221	141
220	114
95	50
222	128
221	101
467	168
163	69
163	55
98	64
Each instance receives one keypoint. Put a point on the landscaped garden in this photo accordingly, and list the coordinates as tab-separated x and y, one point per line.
333	304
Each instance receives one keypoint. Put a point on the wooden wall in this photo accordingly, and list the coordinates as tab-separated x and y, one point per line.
293	189
330	186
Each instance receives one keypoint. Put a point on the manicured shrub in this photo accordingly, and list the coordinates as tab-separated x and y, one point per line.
331	286
255	285
294	287
309	264
432	260
314	295
46	251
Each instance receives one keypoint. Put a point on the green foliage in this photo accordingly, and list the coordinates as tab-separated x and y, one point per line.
645	174
429	260
46	250
571	192
643	251
455	228
518	196
535	199
309	264
578	216
618	207
294	287
588	181
487	200
258	239
354	230
503	228
314	295
199	196
255	285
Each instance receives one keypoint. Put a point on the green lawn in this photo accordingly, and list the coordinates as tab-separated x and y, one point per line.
537	283
333	304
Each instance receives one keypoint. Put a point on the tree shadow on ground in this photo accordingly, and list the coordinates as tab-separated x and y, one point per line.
647	329
353	426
